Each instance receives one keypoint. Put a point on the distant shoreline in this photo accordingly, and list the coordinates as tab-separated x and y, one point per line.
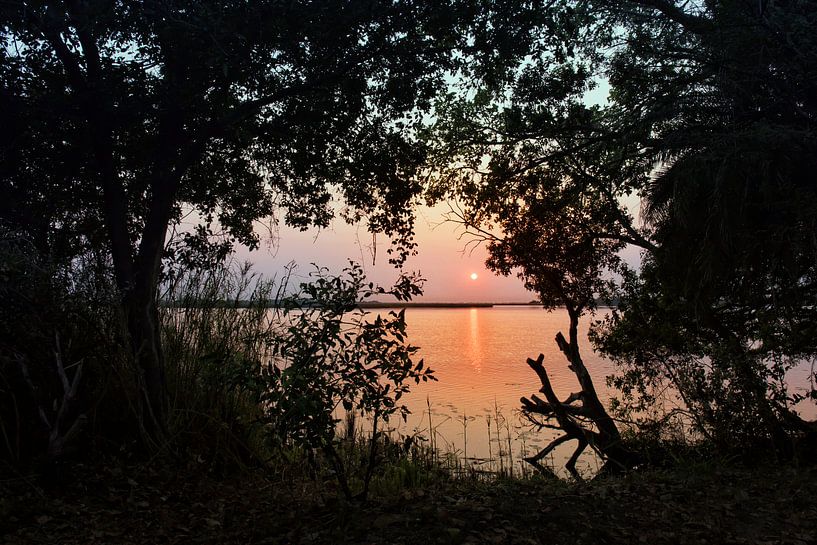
363	305
398	304
402	304
368	305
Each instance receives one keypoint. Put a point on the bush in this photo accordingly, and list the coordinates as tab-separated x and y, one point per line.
331	355
57	341
256	376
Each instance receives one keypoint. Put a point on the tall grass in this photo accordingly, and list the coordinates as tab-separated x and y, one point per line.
217	326
506	438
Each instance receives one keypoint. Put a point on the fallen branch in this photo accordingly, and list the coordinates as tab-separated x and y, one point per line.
561	411
575	414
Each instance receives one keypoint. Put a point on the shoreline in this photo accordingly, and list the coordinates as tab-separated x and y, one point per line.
369	305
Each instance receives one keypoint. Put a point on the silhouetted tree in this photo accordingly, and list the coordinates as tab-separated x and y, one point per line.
709	121
122	117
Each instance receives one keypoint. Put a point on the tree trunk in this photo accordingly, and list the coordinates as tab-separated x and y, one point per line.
136	273
590	398
144	329
138	281
570	416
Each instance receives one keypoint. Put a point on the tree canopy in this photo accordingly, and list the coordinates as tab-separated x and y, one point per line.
709	123
231	108
120	118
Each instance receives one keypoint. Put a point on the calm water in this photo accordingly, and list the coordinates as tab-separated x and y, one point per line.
478	355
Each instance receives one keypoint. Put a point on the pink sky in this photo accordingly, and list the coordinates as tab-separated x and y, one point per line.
442	259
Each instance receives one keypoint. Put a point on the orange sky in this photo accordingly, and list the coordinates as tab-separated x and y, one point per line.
442	256
442	259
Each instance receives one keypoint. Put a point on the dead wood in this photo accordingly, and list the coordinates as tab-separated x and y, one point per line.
581	416
58	436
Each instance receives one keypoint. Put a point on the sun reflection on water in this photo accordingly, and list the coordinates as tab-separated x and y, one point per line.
475	347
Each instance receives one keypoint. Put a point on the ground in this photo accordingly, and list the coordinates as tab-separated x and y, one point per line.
706	504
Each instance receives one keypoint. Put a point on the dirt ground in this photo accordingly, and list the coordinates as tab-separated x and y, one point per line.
137	506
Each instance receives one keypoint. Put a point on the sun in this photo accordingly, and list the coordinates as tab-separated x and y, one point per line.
474	276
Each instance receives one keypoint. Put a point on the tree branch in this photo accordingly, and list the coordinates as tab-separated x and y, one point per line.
696	24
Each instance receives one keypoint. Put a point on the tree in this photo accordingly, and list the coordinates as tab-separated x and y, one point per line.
563	263
330	355
708	121
550	223
122	117
729	104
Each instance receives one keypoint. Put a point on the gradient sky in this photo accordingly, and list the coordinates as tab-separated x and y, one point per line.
442	259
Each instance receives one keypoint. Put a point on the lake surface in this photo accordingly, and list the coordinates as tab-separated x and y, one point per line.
479	355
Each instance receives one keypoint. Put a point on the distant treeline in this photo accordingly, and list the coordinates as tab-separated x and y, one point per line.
312	304
306	303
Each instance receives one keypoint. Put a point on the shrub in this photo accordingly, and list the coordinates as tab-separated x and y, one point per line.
57	341
331	355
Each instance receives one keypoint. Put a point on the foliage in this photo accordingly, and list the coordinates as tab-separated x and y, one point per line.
122	118
57	338
724	307
533	167
718	388
330	357
59	322
239	107
255	378
708	122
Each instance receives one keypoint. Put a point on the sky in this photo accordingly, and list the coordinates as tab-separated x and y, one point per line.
442	259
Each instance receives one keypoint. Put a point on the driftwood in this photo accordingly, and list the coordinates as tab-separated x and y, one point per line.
581	416
62	428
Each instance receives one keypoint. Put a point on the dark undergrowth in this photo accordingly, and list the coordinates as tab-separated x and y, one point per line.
76	466
121	503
